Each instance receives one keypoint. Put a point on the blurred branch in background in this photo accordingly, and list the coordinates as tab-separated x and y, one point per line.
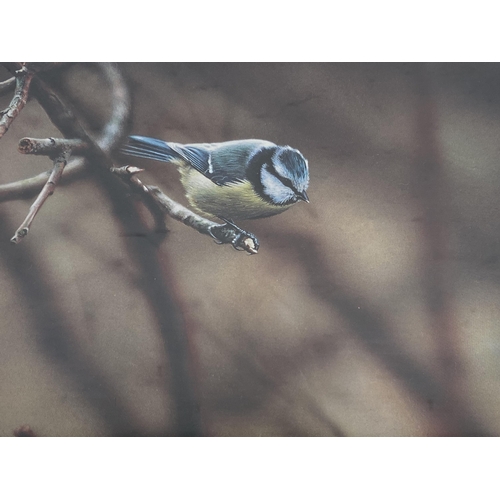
54	335
264	376
431	197
368	326
187	420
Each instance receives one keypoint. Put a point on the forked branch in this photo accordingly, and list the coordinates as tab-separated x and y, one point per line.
59	163
97	151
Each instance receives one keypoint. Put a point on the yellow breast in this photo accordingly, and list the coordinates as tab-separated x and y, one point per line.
232	201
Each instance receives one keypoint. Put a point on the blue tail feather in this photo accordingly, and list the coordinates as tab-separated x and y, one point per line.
147	147
197	156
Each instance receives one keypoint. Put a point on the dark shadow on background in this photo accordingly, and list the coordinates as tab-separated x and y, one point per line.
159	291
368	326
259	376
142	244
431	189
56	339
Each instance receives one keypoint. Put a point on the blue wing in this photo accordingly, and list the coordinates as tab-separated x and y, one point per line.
223	163
229	160
154	149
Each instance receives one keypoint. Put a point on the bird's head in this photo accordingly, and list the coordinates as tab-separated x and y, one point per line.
284	176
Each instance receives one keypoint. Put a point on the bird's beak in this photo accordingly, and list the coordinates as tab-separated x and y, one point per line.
303	196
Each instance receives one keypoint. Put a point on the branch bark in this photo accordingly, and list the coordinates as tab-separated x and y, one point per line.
23	81
59	163
221	233
51	146
27	188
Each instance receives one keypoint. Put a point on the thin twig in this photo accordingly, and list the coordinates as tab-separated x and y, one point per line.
23	80
49	188
7	86
63	117
223	233
27	188
51	146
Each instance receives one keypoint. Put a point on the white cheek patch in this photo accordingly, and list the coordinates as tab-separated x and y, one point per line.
274	188
300	177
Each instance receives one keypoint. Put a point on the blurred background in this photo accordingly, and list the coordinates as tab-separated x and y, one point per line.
372	311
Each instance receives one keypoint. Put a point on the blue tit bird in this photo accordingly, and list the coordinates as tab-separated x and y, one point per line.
243	179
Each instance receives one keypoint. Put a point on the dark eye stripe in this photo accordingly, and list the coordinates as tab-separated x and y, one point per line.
283	180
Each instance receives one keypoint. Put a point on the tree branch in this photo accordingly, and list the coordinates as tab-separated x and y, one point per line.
65	120
27	188
186	405
222	233
153	197
51	146
63	117
23	80
49	188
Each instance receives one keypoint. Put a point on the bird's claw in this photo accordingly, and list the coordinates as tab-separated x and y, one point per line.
215	238
246	242
240	239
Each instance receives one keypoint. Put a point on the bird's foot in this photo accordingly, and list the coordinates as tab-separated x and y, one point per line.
240	239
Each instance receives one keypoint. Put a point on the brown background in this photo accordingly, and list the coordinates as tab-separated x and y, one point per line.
373	311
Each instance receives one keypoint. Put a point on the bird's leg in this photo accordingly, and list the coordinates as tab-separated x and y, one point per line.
230	233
